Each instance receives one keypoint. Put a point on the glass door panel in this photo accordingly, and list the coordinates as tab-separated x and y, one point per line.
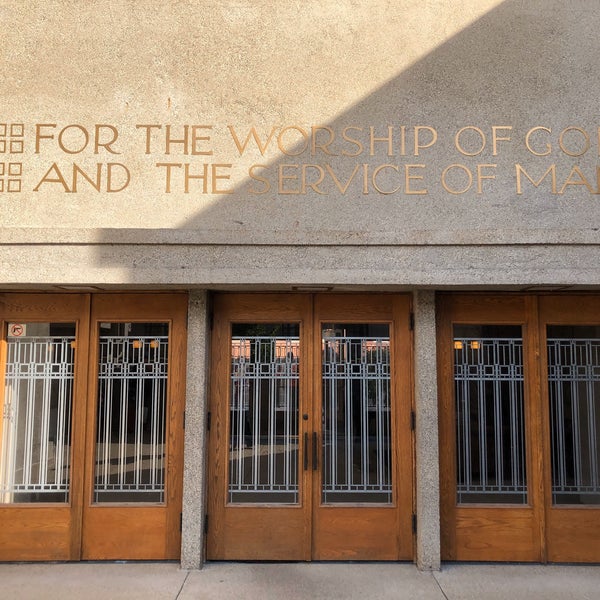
574	395
357	464
263	435
490	425
38	394
132	396
490	482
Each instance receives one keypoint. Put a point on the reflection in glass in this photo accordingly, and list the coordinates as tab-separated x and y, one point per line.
574	390
488	380
132	396
356	414
263	443
36	430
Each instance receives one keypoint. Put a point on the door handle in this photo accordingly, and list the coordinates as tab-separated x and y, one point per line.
315	454
305	451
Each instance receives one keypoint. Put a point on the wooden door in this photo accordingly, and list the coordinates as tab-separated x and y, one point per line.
362	484
134	449
570	335
491	484
310	441
519	380
43	357
91	439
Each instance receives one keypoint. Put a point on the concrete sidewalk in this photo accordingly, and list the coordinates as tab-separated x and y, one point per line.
288	581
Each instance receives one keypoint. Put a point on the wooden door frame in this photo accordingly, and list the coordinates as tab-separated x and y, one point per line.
50	531
155	532
573	533
329	521
396	308
237	522
489	532
558	534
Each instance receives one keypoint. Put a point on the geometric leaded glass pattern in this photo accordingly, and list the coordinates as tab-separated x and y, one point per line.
357	461
490	429
263	428
36	429
132	401
574	395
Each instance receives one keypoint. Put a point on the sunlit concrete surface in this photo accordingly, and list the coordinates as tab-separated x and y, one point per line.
288	581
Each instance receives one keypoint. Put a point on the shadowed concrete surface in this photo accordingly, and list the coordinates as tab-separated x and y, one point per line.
287	581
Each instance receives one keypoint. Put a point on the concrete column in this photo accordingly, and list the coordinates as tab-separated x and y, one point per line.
192	538
426	435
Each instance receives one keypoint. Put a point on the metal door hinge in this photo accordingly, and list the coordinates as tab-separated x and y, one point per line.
180	522
413	420
411	321
211	320
184	419
208	420
414	523
205	524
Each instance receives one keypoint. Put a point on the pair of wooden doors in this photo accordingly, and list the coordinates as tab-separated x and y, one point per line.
310	450
92	392
519	380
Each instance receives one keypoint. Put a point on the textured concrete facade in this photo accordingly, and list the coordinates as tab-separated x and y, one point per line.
255	145
460	138
426	433
194	470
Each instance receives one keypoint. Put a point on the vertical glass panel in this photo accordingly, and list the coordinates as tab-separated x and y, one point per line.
36	430
574	389
356	414
263	442
132	400
490	430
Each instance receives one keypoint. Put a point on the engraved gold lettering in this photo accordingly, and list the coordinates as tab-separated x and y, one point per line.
312	185
78	171
389	140
171	141
73	139
580	180
376	173
365	179
110	168
462	168
432	140
39	136
550	171
458	144
47	179
202	176
283	177
107	145
497	138
528	140
265	181
262	147
342	188
323	145
481	176
216	176
168	168
357	143
300	146
148	129
586	141
408	177
196	138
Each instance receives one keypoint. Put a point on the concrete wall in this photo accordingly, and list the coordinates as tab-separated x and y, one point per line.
397	143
